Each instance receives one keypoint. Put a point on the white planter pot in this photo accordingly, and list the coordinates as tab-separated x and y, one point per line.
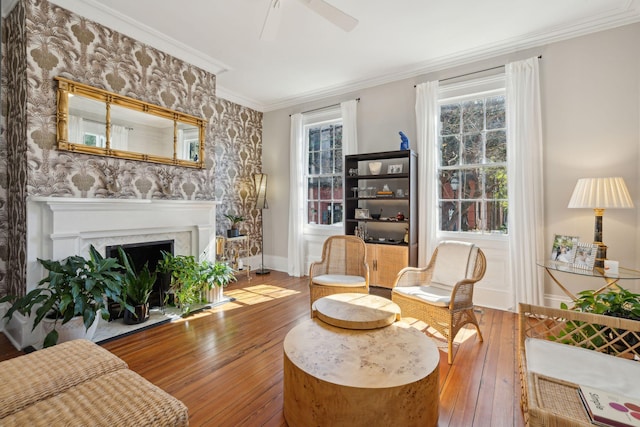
72	330
214	294
19	332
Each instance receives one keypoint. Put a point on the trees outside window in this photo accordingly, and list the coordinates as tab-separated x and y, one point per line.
472	166
324	173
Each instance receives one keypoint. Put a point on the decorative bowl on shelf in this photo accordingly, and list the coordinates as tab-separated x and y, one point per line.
375	216
375	167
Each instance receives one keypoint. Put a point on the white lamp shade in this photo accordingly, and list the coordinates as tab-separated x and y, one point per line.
601	193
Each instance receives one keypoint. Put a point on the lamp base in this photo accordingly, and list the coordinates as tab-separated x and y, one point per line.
262	271
601	255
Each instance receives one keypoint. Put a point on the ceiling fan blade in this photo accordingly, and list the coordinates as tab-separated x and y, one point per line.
272	21
332	14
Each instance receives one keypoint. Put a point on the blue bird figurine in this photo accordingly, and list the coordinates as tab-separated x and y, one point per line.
404	141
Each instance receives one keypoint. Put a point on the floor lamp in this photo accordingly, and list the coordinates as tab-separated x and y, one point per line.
260	181
600	194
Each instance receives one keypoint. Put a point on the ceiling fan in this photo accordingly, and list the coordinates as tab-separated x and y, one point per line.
321	7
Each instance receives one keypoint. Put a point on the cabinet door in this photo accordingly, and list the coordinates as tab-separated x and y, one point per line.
391	259
385	261
371	262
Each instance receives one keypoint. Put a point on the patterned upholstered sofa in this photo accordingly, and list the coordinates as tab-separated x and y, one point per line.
78	383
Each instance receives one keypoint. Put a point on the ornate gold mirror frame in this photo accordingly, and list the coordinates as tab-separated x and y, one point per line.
95	121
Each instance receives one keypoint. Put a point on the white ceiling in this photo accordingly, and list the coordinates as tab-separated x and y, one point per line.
311	58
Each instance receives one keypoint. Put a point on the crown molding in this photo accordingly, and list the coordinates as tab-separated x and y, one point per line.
222	92
628	14
618	17
119	22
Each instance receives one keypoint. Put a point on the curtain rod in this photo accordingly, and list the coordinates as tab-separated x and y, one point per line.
322	108
474	72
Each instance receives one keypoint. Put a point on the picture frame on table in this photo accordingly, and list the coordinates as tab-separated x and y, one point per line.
391	169
563	249
362	214
585	255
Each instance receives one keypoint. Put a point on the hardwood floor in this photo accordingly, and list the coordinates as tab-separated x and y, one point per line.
226	364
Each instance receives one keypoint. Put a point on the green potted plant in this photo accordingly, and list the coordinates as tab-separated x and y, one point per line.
235	220
184	285
216	275
75	290
137	289
191	280
614	301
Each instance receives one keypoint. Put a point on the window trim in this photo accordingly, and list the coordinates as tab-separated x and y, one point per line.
319	118
459	92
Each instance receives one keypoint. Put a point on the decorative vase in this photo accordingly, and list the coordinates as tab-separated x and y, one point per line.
72	330
375	167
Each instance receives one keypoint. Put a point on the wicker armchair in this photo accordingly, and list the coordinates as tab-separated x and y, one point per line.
441	294
343	268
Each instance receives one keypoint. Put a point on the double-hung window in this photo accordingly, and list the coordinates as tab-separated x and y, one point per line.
472	160
323	137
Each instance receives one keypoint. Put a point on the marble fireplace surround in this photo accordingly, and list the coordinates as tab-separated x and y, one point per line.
58	227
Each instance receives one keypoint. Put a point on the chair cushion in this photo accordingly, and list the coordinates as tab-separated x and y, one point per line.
582	366
453	262
340	280
435	295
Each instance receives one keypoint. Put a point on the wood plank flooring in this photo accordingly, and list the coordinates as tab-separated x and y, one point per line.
226	364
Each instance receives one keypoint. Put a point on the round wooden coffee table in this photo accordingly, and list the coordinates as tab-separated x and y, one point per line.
336	376
356	311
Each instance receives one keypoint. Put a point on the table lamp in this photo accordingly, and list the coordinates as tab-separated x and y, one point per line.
600	194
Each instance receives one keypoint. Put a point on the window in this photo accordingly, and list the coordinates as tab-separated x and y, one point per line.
324	172
472	164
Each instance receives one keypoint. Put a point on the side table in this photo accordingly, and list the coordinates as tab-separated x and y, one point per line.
610	279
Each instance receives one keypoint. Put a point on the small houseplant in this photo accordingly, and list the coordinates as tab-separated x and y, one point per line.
615	301
74	288
184	283
216	275
235	220
137	289
191	279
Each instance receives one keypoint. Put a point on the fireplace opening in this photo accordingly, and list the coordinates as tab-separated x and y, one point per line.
141	253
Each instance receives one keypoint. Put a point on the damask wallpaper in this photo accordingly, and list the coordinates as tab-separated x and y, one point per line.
45	41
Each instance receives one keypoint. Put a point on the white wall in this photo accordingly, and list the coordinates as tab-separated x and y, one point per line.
591	127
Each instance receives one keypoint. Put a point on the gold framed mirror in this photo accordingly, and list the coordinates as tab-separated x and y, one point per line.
95	121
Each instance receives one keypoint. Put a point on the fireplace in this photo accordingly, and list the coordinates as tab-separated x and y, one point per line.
150	253
58	227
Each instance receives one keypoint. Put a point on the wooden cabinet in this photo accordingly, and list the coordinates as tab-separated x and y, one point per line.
385	261
381	206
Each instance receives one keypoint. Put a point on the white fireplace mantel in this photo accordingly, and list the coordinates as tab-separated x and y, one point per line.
58	227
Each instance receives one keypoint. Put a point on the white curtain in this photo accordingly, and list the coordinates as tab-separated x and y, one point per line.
427	124
524	162
76	129
349	113
297	163
119	137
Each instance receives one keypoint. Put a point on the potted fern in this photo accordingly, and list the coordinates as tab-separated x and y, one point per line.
72	295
